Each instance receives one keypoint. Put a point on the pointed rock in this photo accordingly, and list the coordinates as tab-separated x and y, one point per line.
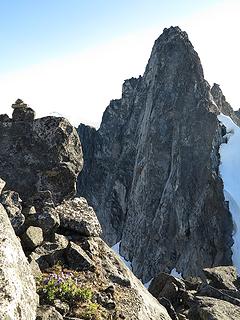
151	172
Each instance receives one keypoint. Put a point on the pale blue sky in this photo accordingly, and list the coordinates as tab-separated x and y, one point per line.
72	56
32	31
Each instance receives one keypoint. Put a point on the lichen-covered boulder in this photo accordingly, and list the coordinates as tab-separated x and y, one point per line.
18	298
77	216
32	238
38	155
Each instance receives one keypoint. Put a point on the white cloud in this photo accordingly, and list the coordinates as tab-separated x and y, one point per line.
80	86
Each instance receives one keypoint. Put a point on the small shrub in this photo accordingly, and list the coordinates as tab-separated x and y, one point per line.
62	286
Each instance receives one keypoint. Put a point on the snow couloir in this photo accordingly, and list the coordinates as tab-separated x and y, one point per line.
230	173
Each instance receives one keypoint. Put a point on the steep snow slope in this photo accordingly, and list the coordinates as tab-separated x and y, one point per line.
230	172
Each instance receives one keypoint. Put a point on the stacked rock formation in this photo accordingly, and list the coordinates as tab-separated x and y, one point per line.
151	169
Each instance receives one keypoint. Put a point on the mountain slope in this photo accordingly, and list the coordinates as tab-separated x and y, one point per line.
151	170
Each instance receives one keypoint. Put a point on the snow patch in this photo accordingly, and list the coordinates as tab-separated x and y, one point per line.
176	274
230	173
116	249
147	284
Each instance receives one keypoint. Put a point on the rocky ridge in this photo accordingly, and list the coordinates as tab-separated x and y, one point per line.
151	170
77	275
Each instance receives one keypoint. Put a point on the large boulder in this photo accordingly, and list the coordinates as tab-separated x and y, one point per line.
38	155
32	238
18	298
75	215
78	259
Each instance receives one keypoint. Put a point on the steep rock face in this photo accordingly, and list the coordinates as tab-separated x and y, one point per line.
18	298
41	154
151	171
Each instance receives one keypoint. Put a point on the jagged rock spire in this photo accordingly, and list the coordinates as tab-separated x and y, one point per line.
151	170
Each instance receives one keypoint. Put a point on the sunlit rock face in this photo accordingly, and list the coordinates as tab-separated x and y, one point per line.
151	170
18	297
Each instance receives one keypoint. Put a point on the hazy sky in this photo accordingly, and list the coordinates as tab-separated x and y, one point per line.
71	57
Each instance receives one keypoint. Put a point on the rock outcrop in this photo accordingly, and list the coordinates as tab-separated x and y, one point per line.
216	296
18	297
151	169
84	257
77	275
38	155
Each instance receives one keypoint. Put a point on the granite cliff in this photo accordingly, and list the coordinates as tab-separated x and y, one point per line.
151	170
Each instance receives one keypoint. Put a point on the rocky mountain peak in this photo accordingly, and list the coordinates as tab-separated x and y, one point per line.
152	175
173	52
172	34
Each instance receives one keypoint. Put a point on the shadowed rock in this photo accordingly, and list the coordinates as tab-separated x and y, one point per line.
151	169
38	155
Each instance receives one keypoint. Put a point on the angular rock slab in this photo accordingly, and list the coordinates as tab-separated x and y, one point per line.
213	309
137	302
32	238
78	259
222	277
77	216
38	155
18	298
49	253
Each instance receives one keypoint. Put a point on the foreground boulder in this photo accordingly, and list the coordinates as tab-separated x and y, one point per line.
18	298
37	155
